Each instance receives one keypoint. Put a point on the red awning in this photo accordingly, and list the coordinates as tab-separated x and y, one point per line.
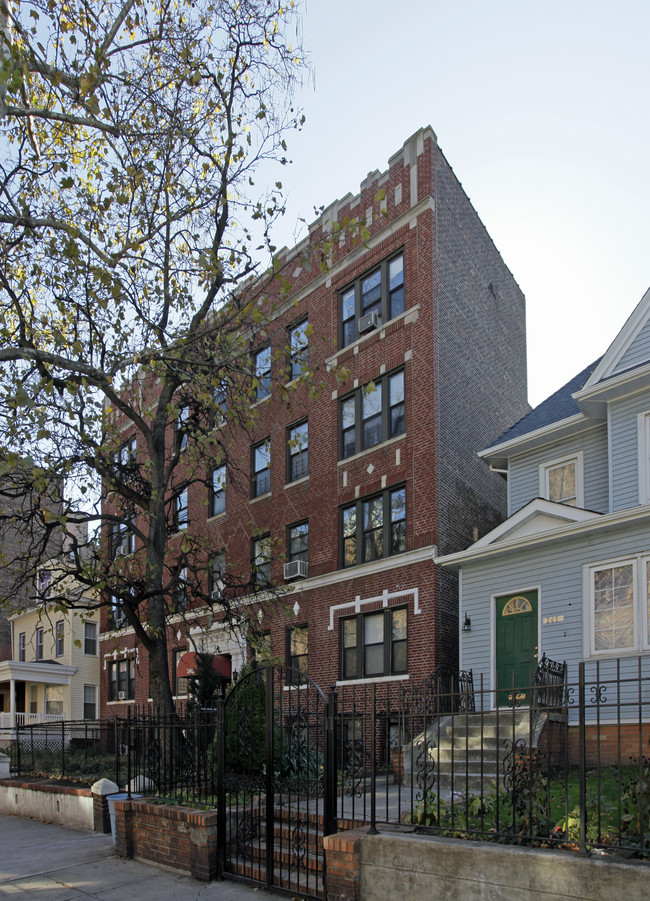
221	663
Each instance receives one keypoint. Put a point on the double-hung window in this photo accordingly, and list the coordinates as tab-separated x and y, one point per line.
374	527
180	509
298	452
39	643
220	397
90	702
179	686
181	427
374	644
261	465
217	576
59	641
90	639
262	373
297	654
116	616
372	414
298	349
298	542
122	538
121	680
44	584
561	480
180	591
619	606
372	299
261	553
21	647
218	491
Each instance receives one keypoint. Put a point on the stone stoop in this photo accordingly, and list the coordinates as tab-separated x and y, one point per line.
467	751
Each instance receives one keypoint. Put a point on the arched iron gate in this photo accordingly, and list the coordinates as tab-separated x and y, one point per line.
276	780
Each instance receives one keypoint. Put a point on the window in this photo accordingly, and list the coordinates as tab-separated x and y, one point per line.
21	647
373	528
372	414
122	538
644	457
298	542
39	644
261	551
218	491
180	591
380	291
297	654
90	639
180	509
298	452
117	618
54	700
220	401
261	479
561	481
374	644
179	684
298	349
121	681
90	702
58	639
262	383
181	427
127	453
620	606
217	576
44	584
33	698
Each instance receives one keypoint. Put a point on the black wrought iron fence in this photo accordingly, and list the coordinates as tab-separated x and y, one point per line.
564	763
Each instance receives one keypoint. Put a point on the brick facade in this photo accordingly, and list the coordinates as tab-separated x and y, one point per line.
460	343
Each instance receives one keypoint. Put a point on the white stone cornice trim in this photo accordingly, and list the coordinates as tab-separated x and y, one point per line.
366	569
358	603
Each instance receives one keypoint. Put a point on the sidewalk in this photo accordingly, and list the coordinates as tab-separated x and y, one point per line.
44	862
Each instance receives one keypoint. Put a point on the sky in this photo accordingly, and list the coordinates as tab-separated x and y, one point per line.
543	112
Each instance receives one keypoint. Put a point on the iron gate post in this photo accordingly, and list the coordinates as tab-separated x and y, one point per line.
221	788
330	824
270	766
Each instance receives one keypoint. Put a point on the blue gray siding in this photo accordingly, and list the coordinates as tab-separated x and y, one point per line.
557	571
625	449
523	476
638	352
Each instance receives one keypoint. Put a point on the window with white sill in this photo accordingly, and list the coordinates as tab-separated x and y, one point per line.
561	480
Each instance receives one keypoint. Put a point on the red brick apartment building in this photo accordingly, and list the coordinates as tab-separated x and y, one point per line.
351	493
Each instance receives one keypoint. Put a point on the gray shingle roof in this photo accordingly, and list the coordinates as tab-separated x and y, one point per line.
555	408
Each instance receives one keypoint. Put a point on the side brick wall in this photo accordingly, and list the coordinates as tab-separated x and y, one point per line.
173	836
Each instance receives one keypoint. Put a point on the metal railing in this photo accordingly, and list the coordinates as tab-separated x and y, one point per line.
563	762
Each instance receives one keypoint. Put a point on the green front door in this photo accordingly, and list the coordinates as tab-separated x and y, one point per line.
516	636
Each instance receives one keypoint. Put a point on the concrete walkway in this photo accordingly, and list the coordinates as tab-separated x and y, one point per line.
45	862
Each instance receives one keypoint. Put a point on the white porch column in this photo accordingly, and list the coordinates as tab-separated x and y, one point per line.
12	703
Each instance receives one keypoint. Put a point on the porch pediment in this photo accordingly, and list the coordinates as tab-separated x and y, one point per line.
535	518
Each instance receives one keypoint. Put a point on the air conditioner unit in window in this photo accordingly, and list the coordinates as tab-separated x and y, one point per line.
369	321
296	569
120	551
121	696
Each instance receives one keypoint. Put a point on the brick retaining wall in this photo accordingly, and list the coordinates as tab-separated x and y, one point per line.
177	837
